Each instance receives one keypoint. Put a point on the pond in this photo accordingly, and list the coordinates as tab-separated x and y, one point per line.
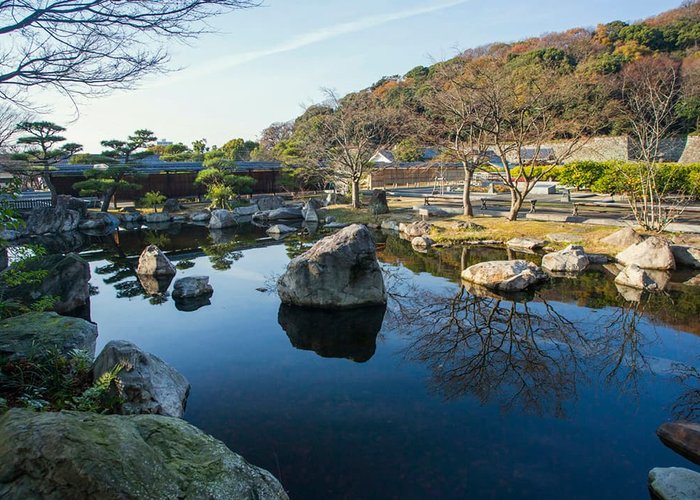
449	392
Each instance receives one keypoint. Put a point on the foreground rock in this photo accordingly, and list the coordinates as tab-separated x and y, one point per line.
153	262
525	243
377	203
686	256
623	238
674	483
85	455
340	271
505	275
571	260
349	334
191	287
220	219
641	279
37	333
652	253
63	217
681	437
149	384
67	280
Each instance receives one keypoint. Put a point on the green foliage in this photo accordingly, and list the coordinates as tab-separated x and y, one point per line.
21	274
104	183
223	184
98	398
90	159
552	58
153	199
408	150
582	174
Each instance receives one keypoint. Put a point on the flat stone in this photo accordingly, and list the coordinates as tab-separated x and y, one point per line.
246	210
280	229
203	216
526	243
505	275
681	437
159	217
69	454
285	213
335	225
674	483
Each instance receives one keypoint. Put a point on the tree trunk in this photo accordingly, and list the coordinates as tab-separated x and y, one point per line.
516	202
355	194
107	198
466	194
49	184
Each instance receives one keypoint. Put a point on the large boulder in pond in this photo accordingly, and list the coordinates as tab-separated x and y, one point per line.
339	271
681	437
505	275
66	278
68	454
634	276
38	333
153	262
266	203
570	260
149	385
221	218
172	205
349	334
674	483
652	253
60	218
377	203
99	221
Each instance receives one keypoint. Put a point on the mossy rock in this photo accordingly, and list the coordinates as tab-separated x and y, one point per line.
40	332
86	455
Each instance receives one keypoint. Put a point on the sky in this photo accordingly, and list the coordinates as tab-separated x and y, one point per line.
265	64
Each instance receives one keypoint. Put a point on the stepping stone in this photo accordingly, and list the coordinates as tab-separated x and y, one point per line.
674	483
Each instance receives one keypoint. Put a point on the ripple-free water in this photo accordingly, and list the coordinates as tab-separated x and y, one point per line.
459	395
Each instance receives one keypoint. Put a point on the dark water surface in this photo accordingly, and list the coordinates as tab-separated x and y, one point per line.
449	392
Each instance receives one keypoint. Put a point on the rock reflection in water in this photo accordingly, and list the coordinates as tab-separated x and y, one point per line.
350	334
192	304
155	285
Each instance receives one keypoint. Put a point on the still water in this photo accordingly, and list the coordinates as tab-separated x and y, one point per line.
449	392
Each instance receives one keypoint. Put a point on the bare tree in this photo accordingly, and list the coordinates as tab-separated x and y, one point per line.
457	120
651	87
525	108
86	47
347	134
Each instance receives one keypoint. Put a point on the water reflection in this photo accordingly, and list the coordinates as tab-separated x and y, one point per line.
350	334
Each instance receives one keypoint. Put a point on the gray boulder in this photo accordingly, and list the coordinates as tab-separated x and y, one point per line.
266	203
377	203
623	238
99	221
10	235
148	384
129	217
418	228
85	455
203	216
280	229
58	219
191	287
153	262
157	218
285	213
67	279
222	218
172	205
339	271
635	277
652	253
686	256
315	203
35	332
505	275
525	243
246	210
571	259
674	483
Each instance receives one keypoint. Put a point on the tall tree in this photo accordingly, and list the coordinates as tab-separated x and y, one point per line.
41	151
346	133
87	47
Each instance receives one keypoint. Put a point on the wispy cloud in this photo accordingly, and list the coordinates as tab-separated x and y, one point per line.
310	38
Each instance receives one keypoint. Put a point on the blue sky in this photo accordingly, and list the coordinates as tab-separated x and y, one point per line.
266	63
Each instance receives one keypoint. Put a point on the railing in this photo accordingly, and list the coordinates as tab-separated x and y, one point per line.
25	204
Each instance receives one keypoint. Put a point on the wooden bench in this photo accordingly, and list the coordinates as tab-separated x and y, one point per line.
438	197
484	201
